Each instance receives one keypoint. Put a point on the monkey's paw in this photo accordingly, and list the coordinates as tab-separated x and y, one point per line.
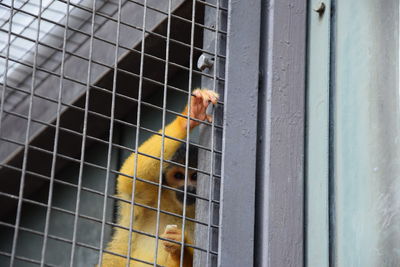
172	233
199	103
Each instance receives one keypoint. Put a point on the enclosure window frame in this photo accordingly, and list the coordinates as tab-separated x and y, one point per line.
280	156
237	212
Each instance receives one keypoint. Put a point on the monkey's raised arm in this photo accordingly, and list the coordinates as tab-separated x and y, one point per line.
149	168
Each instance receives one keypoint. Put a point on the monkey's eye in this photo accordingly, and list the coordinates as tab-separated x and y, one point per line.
194	176
179	176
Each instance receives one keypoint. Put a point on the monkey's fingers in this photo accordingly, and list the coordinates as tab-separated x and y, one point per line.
211	96
214	96
209	118
172	236
200	97
206	95
197	93
196	103
172	232
170	227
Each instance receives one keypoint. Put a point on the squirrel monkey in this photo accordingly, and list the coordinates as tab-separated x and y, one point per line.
145	219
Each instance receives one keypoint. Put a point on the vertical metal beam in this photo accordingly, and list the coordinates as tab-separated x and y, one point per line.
365	149
280	161
236	235
317	144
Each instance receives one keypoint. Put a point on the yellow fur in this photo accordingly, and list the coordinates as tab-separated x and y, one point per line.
145	219
142	246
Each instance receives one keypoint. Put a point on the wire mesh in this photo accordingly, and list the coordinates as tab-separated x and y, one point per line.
83	84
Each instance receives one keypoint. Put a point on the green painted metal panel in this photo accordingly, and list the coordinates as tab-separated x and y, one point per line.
366	136
317	173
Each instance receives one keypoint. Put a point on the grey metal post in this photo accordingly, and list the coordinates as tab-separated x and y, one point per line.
236	234
280	159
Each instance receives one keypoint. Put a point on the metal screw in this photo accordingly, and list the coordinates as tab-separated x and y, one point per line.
205	61
319	8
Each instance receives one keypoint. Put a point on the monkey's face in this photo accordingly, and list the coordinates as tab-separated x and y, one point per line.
175	177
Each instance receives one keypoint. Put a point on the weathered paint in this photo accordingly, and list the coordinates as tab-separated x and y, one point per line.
366	136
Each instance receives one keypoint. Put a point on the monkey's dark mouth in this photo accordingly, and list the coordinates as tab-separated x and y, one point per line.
190	200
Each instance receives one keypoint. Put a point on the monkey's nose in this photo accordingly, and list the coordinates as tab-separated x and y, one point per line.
191	189
189	198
